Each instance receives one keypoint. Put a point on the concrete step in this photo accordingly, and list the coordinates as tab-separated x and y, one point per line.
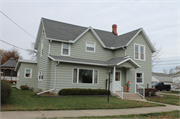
127	95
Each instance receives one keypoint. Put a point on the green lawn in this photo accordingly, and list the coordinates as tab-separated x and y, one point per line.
168	99
172	92
27	100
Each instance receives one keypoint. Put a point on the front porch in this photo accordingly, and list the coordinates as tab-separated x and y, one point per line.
125	72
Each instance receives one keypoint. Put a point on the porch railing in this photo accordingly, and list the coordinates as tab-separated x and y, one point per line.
118	90
140	90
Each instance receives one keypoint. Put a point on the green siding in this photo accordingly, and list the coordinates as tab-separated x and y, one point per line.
31	82
145	65
119	53
64	76
77	49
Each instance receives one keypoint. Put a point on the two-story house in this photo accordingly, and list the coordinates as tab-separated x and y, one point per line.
71	56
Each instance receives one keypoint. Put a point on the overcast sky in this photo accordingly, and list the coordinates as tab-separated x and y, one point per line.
159	19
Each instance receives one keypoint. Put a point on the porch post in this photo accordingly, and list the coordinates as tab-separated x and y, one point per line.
114	72
135	79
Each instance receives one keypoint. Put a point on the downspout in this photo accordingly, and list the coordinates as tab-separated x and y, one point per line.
54	82
135	79
124	50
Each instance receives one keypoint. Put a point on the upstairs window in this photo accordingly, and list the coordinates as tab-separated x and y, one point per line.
90	47
42	47
65	49
40	76
139	52
28	73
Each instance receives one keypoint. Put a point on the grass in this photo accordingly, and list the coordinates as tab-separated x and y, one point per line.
25	100
171	114
172	92
168	99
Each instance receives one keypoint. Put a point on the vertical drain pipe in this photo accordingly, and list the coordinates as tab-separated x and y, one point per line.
124	50
55	75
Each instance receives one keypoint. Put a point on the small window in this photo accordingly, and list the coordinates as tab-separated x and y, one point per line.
42	47
139	77
90	47
65	49
40	76
28	73
139	52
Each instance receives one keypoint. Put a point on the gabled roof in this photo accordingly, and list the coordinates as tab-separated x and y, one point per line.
10	63
111	62
166	78
24	61
65	32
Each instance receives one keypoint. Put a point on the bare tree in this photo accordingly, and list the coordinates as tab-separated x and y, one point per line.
165	71
32	52
156	55
176	85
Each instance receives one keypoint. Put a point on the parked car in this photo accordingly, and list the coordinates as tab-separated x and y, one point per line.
160	86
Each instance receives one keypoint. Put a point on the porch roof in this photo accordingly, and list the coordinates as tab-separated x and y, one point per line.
112	62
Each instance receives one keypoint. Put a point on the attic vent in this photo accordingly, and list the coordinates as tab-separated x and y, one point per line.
43	31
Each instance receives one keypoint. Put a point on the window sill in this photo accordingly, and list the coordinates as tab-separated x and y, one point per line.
89	51
40	79
65	55
139	59
86	83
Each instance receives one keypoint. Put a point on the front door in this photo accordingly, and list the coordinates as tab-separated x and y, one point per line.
118	80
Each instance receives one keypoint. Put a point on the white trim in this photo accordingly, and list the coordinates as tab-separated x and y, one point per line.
119	77
128	60
139	52
114	74
134	37
142	77
93	44
49	52
30	72
135	79
40	72
69	48
85	69
42	47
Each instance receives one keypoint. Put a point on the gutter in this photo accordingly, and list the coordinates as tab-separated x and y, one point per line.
54	82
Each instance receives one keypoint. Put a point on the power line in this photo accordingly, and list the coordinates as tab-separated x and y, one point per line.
17	25
166	61
13	45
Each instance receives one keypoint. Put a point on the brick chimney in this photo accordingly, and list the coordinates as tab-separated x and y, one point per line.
114	29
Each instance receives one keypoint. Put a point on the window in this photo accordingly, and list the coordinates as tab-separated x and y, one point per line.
139	52
90	47
42	47
139	77
65	50
28	73
85	76
40	75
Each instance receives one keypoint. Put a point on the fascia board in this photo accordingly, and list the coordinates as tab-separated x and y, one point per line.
81	35
36	43
23	61
128	60
134	37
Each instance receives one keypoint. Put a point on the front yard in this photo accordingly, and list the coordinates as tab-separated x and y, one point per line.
23	100
168	99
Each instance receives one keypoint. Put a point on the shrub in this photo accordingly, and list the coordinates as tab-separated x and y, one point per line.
80	91
5	90
150	92
24	87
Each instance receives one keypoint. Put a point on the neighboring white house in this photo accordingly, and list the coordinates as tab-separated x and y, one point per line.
176	80
160	77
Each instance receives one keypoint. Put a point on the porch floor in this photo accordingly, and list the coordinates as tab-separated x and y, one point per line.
129	95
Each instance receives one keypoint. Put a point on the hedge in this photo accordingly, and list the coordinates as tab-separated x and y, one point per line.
80	91
5	90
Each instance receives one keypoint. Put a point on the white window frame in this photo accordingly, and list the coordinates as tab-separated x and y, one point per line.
41	75
94	46
30	72
69	48
139	52
142	77
78	76
42	45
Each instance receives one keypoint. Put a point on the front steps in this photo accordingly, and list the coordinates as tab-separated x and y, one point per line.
128	95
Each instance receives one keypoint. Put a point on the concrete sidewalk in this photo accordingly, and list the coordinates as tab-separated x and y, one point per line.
168	94
77	113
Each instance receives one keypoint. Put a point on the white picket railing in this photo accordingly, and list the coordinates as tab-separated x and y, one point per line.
117	87
141	90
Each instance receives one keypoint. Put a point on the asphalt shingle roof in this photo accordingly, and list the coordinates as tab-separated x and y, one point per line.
64	31
163	77
112	61
10	63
